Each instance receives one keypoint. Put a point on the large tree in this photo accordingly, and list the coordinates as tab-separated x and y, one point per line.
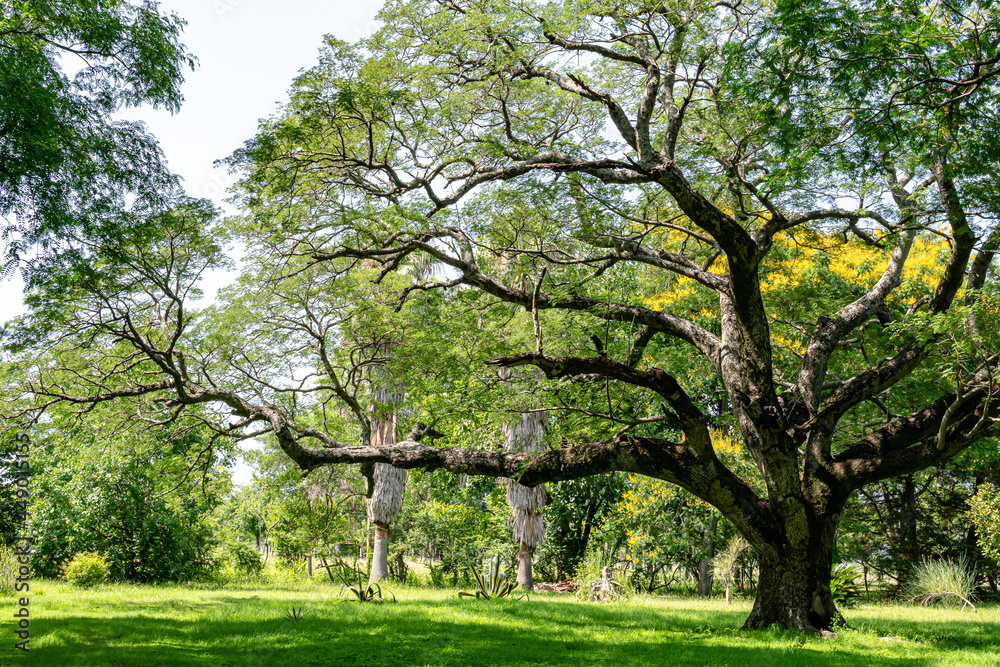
661	171
698	141
65	68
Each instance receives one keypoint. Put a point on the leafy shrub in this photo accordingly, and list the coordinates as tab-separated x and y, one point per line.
948	582
984	510
462	533
125	494
86	569
844	587
8	570
245	558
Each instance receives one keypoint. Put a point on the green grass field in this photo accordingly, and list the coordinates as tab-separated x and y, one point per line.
148	626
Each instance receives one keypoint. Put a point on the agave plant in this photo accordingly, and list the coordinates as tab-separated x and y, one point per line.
294	614
492	584
370	593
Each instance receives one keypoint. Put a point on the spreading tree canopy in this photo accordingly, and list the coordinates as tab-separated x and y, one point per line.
771	222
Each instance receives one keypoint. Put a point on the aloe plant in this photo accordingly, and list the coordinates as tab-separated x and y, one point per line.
492	584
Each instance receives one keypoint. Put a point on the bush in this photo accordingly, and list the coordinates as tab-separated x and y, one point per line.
948	582
984	510
124	493
8	570
86	569
245	559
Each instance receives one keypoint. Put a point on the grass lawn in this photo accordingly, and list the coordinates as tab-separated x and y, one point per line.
149	626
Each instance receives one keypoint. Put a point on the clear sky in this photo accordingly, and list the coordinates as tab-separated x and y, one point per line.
249	51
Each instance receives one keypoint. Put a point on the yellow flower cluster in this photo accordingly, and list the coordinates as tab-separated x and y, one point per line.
682	289
855	263
795	345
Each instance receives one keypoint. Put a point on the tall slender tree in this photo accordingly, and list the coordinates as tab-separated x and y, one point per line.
388	484
525	433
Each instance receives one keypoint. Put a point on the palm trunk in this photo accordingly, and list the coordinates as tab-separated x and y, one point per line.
383	506
389	486
380	553
525	561
793	594
528	528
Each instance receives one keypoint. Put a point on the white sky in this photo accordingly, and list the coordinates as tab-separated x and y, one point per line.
249	51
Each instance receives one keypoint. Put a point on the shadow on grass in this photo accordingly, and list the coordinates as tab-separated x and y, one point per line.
971	632
420	633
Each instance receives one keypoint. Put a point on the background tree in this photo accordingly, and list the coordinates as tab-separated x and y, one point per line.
454	523
576	512
8	496
388	484
65	68
140	496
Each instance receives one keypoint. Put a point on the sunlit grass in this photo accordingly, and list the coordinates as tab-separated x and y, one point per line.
149	626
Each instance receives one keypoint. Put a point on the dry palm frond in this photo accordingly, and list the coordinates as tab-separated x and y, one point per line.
387	496
389	483
527	528
525	498
526	435
948	597
526	521
564	586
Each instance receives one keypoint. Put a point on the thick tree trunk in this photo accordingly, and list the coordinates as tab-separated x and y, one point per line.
793	590
795	595
705	578
380	554
525	561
